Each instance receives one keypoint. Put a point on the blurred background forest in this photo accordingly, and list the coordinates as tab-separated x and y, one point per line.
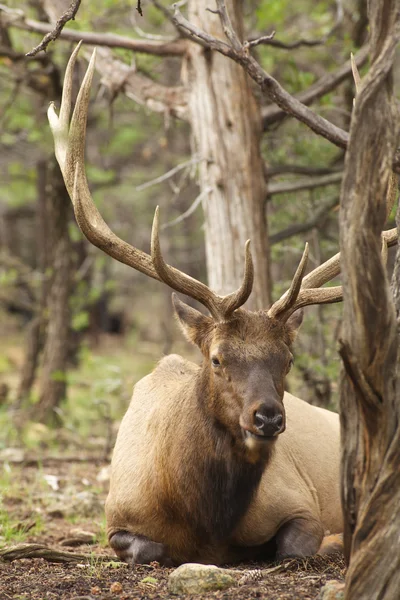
78	328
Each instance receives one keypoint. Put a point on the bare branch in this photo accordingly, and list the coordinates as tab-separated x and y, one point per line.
227	25
269	40
170	48
269	86
54	33
118	76
265	39
167	175
189	211
10	553
274	114
317	221
139	8
275	170
286	187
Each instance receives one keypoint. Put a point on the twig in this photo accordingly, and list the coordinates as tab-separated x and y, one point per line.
275	170
189	211
265	39
259	574
270	41
139	7
317	220
287	187
227	26
54	34
16	18
272	115
168	174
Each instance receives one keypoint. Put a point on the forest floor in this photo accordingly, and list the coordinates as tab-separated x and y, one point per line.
55	502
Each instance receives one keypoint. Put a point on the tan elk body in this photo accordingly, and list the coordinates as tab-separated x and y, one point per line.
160	487
213	463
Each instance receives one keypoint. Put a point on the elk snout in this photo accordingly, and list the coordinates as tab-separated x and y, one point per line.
268	426
263	422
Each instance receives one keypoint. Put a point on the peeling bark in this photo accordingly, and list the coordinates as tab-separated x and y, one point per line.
226	126
370	390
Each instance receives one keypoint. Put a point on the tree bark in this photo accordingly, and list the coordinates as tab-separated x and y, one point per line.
53	376
226	126
35	331
370	388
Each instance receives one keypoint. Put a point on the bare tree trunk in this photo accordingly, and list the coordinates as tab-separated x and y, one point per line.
370	387
35	331
226	127
55	354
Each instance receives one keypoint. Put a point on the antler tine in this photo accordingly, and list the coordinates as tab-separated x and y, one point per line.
331	268
69	141
220	307
384	251
310	292
176	279
236	299
281	307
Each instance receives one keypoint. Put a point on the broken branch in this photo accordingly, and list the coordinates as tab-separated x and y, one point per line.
54	33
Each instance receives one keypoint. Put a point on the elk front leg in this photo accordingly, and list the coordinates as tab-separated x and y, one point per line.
298	538
138	549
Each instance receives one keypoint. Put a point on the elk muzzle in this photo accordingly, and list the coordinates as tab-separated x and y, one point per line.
263	421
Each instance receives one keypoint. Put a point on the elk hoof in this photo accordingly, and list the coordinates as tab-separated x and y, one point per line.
138	549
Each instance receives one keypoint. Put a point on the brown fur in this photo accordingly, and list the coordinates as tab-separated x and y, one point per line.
184	475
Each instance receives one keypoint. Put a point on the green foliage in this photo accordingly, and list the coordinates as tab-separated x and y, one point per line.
80	320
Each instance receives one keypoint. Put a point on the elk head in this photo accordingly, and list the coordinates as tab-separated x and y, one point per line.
246	355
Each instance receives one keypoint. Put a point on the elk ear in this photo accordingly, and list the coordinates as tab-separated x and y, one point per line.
293	323
194	325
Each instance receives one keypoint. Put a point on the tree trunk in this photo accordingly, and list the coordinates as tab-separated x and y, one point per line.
226	128
370	386
34	337
53	376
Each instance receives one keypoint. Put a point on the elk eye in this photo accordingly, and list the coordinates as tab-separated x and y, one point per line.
215	362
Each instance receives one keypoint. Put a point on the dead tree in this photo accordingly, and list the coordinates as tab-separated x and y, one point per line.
370	386
226	129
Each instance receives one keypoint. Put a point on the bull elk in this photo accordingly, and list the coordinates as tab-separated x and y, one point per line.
201	470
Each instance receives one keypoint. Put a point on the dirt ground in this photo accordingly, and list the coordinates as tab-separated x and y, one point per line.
39	506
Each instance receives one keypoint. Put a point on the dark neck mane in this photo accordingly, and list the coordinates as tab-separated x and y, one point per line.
216	482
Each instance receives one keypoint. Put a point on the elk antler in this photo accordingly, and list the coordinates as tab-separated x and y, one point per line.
297	297
307	291
69	140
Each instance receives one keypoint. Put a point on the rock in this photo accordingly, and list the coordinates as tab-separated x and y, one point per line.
192	578
83	504
332	590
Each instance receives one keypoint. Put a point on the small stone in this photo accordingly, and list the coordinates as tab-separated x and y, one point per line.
116	588
84	504
192	578
332	590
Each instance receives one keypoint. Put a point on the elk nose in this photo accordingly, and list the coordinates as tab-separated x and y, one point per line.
268	426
